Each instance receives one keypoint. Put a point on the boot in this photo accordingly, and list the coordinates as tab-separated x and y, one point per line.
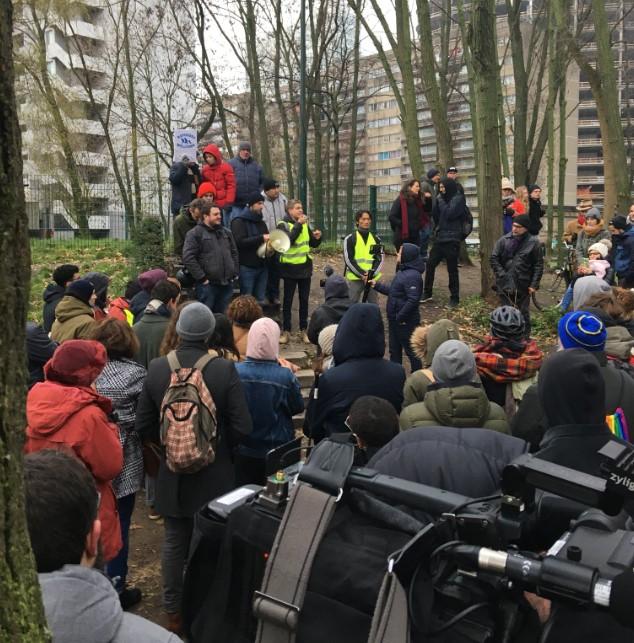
285	337
175	623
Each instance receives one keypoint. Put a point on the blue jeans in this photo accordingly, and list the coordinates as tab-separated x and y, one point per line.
253	282
215	296
423	241
399	336
118	566
566	299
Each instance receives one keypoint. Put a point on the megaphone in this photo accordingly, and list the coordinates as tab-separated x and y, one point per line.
278	242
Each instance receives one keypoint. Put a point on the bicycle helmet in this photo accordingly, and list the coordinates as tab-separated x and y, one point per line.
507	322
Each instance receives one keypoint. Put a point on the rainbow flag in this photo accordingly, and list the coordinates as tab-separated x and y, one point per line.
617	423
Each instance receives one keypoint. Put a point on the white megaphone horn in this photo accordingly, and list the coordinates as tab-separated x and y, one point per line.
278	242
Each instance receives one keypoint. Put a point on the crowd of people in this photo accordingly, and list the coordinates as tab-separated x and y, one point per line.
184	396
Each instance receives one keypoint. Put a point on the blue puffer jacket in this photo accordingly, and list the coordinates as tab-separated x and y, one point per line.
403	293
248	179
624	253
449	213
273	396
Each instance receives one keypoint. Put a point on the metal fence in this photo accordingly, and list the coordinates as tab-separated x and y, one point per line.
101	214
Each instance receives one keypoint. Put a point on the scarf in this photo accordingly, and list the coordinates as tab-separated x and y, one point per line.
423	216
508	360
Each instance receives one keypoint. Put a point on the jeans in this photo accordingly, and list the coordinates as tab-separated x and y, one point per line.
273	280
450	251
177	536
303	286
253	282
521	300
424	237
399	335
215	296
355	289
118	566
150	490
566	300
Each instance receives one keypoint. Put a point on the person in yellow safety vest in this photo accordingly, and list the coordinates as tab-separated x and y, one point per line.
359	258
296	266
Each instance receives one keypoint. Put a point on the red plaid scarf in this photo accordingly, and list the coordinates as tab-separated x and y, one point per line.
508	361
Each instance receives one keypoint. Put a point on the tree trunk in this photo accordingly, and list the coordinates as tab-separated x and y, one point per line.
483	46
353	127
21	612
550	118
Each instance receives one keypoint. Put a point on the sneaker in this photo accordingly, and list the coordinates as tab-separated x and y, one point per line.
425	298
129	597
153	515
305	337
454	303
285	337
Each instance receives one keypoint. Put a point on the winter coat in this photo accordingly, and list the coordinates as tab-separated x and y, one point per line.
39	349
517	264
535	213
74	319
274	210
184	181
337	304
584	241
273	396
624	254
425	341
464	406
117	309
221	175
529	422
150	330
465	461
183	223
449	213
121	382
61	416
359	370
404	292
81	604
180	495
619	343
302	270
52	296
211	253
248	229
429	186
249	178
416	217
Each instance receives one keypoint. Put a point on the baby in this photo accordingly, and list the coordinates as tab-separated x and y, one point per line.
596	264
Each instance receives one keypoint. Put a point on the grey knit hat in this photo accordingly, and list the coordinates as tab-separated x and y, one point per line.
453	364
196	323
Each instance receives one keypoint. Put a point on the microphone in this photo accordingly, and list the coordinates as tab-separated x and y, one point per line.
556	578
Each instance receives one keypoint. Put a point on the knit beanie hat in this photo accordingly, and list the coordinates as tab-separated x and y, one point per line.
326	339
82	289
593	213
581	330
431	173
263	341
196	323
585	287
206	189
522	219
453	364
255	197
599	247
506	184
532	187
244	145
77	362
149	278
269	184
619	222
336	287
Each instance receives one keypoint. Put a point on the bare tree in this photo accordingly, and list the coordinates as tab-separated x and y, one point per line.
21	612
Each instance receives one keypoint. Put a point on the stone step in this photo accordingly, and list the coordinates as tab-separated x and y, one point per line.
299	358
306	377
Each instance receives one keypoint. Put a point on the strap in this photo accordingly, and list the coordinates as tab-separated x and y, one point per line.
204	360
173	362
310	508
390	620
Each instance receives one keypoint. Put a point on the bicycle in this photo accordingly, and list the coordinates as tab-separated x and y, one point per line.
557	281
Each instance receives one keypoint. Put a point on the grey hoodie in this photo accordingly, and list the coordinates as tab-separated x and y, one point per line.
585	287
82	605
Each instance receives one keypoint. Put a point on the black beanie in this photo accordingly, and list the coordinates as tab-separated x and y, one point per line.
522	219
533	186
255	197
619	222
269	184
82	289
431	173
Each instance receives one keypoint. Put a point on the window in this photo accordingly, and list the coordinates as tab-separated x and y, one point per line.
386	156
385	122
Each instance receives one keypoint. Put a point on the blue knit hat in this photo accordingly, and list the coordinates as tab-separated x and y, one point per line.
82	289
582	330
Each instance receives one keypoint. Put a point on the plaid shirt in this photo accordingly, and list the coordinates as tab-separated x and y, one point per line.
121	381
504	361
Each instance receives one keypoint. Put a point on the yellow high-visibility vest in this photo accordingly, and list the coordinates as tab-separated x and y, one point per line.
298	253
363	256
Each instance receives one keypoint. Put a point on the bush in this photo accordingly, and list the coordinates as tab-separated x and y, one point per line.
148	249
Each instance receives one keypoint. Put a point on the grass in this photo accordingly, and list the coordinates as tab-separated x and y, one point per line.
111	258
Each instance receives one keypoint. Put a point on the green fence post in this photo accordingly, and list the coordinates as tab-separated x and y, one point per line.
373	210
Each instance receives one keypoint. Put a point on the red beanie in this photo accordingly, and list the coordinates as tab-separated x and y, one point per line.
206	188
76	361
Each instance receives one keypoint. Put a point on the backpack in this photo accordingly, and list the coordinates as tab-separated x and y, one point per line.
467	224
188	418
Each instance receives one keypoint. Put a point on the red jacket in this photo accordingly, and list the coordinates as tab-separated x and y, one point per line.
118	309
221	175
76	418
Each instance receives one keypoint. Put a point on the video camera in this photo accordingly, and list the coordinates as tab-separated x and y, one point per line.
463	571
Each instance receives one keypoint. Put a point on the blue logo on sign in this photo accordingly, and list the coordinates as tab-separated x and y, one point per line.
186	140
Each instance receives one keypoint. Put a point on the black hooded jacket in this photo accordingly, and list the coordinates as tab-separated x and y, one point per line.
335	307
359	370
248	229
52	296
449	213
574	404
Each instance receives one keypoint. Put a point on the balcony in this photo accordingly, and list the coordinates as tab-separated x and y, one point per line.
92	159
589	160
590	142
588	122
74	61
84	126
83	29
590	180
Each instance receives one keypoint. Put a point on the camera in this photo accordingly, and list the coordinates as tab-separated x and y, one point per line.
377	249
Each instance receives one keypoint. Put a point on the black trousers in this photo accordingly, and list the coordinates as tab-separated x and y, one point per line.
273	281
521	300
399	335
449	251
303	286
